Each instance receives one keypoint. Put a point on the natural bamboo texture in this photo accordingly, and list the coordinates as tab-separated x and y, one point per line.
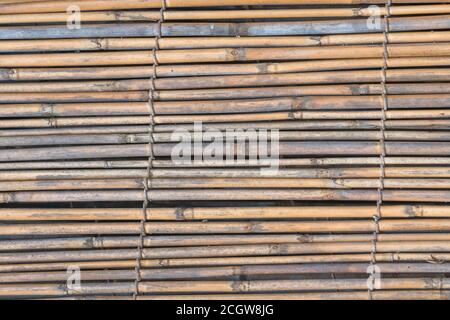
354	106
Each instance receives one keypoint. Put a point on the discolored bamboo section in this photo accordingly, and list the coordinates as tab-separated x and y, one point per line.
225	150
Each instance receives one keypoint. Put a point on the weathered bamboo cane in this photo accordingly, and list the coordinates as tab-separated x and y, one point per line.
223	14
220	55
297	162
61	6
220	273
106	261
399	225
210	240
14	74
105	44
224	213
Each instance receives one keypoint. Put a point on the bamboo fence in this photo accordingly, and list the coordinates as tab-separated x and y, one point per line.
354	96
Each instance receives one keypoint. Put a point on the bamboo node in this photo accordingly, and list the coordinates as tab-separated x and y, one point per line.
304	238
98	43
164	262
263	68
179	214
89	243
337	182
47	109
238	54
241	286
8	74
435	260
414	211
317	39
435	283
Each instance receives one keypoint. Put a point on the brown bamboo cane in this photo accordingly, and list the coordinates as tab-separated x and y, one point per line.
50	128
354	295
225	195
303	148
398	118
224	213
106	261
159	287
428	251
92	5
250	173
104	242
289	285
105	44
164	228
99	139
14	74
297	162
355	77
222	14
420	184
313	103
270	92
221	273
220	55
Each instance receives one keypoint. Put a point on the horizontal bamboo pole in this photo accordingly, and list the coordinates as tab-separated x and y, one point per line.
430	124
99	288
104	44
61	6
313	103
220	55
353	295
297	162
333	77
130	72
431	119
304	173
224	213
167	138
289	285
161	287
65	128
307	148
107	261
226	272
180	29
165	228
102	242
223	14
225	195
428	251
49	290
271	92
53	185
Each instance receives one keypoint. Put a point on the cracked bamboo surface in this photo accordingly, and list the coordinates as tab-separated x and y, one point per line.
75	118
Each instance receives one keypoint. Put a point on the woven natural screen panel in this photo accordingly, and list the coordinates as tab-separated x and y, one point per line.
232	149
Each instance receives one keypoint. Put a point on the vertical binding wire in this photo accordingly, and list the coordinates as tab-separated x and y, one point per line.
384	109
147	181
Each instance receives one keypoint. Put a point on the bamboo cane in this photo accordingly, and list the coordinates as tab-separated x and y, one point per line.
297	162
220	55
224	14
223	213
14	74
220	273
106	44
